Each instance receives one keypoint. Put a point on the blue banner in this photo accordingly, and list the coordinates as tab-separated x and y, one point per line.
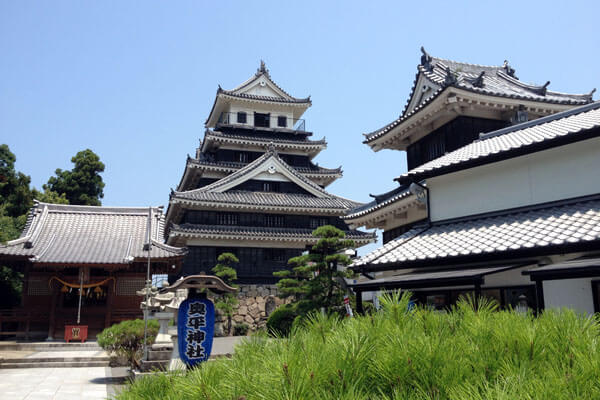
195	327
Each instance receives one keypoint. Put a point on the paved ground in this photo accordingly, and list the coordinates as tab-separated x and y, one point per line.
54	383
73	383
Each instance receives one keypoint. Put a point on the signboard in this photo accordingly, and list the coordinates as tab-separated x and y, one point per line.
195	327
348	308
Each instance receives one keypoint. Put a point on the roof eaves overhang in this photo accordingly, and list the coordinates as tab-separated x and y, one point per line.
527	255
381	211
459	102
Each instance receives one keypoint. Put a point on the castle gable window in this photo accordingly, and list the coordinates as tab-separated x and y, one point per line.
261	120
282	121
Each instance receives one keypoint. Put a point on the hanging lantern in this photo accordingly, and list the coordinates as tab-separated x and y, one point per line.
64	289
97	289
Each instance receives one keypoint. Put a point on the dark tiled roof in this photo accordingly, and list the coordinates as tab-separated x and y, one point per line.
259	233
215	193
256	164
70	234
234	166
548	227
267	199
578	265
300	142
514	141
496	81
380	201
437	278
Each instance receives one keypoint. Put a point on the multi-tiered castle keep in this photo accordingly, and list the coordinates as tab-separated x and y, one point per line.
252	188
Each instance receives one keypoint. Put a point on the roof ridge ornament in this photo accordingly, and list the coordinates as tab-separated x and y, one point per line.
478	82
262	70
544	88
426	60
271	147
450	78
591	94
510	71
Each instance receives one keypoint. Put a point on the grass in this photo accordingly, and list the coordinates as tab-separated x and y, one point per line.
395	354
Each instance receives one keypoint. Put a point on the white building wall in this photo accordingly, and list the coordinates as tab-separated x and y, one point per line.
555	174
571	293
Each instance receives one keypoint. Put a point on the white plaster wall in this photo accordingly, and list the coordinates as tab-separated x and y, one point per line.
555	174
250	109
512	277
571	293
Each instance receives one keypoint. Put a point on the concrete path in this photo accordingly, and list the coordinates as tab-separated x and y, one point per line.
73	383
54	383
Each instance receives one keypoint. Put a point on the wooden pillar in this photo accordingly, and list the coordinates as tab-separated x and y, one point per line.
51	322
359	304
477	294
109	300
539	296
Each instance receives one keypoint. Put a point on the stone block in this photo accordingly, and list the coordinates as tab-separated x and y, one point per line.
249	320
243	310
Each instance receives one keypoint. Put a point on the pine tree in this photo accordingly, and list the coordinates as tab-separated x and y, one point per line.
227	302
83	184
315	280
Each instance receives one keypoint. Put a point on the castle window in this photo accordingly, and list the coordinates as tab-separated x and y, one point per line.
274	221
261	120
241	117
270	186
282	121
227	219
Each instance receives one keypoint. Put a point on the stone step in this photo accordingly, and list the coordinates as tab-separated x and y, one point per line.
49	346
26	360
53	364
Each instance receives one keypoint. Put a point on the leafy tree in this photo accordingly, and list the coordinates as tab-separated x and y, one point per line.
315	281
227	302
126	339
83	184
16	199
15	195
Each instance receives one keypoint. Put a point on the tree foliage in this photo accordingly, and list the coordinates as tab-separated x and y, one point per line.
227	302
126	339
16	199
83	184
315	281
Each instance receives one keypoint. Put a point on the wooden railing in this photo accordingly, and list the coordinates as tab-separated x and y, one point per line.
21	319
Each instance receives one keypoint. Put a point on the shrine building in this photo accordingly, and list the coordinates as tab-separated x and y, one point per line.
102	250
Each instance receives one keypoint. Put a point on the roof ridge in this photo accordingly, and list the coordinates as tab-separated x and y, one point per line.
540	121
271	153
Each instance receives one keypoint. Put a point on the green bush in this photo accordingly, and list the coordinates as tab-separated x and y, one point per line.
240	329
281	320
467	353
126	339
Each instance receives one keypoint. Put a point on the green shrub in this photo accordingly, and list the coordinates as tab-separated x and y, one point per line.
399	354
281	320
126	339
240	329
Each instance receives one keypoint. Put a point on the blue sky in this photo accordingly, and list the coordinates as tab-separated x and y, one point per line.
134	81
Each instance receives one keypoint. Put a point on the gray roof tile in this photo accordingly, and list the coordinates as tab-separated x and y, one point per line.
260	233
538	227
495	82
70	234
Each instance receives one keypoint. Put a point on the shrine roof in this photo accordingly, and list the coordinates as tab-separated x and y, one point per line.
551	228
73	234
498	81
543	133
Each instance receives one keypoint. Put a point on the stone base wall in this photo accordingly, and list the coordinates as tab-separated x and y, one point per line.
255	304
